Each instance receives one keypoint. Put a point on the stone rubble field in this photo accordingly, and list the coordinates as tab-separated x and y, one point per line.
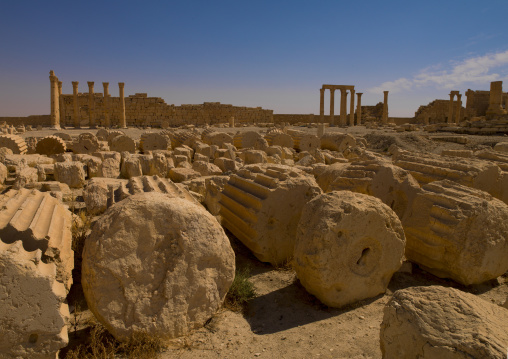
364	242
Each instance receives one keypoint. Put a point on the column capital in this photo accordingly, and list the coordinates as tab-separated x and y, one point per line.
105	84
121	84
359	94
75	83
386	92
90	83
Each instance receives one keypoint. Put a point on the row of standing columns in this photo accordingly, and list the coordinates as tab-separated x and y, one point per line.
343	105
57	105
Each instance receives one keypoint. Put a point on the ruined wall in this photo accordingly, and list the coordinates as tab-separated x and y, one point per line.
477	102
33	121
437	112
141	110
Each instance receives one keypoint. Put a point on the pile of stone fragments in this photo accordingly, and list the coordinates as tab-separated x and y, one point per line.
158	260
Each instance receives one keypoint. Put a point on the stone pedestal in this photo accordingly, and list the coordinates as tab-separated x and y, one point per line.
55	103
352	109
359	109
75	118
106	104
123	122
91	104
496	98
385	108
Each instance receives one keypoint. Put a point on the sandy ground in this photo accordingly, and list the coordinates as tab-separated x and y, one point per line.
283	320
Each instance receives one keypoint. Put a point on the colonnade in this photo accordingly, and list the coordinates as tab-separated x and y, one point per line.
57	105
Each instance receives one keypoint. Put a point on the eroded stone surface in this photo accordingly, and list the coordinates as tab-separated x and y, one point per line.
156	264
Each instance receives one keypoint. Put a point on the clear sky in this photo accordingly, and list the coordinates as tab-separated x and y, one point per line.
274	54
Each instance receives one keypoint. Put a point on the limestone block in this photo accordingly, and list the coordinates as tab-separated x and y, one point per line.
200	157
121	143
393	185
143	267
64	136
131	167
33	314
250	139
501	147
3	173
225	164
438	322
217	138
70	173
457	232
108	154
184	151
151	141
24	176
45	172
13	142
255	156
206	168
261	205
112	134
337	141
62	157
14	161
338	259
50	145
110	168
86	143
499	158
93	166
179	159
102	134
279	138
325	175
40	222
180	174
95	194
306	160
473	173
457	153
203	150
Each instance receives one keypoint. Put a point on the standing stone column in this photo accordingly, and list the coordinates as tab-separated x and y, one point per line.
232	122
332	106
123	122
322	105
450	108
91	104
75	103
55	105
352	109
496	98
343	104
385	108
359	109
106	104
61	104
459	107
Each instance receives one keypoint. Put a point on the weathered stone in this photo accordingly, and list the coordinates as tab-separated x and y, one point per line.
348	246
436	322
254	156
457	232
337	141
180	174
50	145
13	142
261	205
41	222
225	164
501	147
205	168
394	186
25	175
70	173
86	143
33	314
152	141
131	167
156	264
121	143
250	139
110	168
217	138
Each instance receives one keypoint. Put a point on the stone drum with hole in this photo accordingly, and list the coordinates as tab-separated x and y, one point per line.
348	246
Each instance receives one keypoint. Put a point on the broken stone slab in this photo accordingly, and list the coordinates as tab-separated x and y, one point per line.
261	205
121	143
338	259
437	322
33	314
337	141
457	232
70	173
39	222
151	141
156	264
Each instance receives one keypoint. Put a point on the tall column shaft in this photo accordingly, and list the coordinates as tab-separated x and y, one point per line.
359	109
450	109
106	104
459	107
91	104
496	98
352	109
343	105
123	122
76	118
61	104
55	101
332	106
385	107
322	105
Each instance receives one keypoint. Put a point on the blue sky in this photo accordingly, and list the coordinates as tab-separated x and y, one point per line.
274	54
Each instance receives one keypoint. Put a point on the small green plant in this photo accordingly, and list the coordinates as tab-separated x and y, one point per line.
241	291
81	224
